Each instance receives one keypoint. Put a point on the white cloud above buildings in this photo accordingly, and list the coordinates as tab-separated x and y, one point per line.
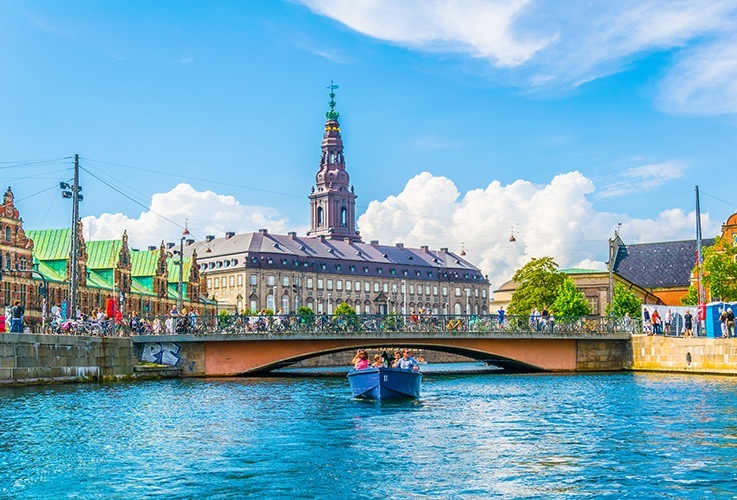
542	44
556	219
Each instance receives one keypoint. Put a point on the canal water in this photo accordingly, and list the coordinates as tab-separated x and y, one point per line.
469	436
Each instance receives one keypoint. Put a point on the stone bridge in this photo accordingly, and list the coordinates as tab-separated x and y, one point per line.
226	355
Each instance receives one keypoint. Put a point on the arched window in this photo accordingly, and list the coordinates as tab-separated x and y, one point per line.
270	302
343	217
8	233
319	217
285	304
457	309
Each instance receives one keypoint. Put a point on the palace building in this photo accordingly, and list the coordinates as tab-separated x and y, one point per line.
331	264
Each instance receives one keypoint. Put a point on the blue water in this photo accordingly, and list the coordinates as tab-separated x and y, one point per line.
469	436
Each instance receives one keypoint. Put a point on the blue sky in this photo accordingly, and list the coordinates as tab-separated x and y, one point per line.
463	120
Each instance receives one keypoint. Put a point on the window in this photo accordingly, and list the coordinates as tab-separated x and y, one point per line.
458	291
393	271
412	289
347	285
240	280
427	289
357	308
476	293
285	304
394	288
483	293
339	285
310	283
209	283
379	270
337	267
319	283
385	287
253	279
352	268
270	280
319	216
285	281
8	233
376	287
330	284
445	290
365	269
222	282
366	286
231	281
343	217
216	283
270	302
434	290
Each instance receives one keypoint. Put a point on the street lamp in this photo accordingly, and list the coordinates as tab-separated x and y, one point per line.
73	192
180	294
404	298
330	310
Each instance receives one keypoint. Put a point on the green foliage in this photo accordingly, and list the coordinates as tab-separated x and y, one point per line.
691	298
344	309
224	318
720	270
538	281
624	302
393	321
305	314
570	301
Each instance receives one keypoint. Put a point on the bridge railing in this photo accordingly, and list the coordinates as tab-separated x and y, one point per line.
362	323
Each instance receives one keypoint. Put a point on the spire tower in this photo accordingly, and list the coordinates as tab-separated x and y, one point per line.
333	201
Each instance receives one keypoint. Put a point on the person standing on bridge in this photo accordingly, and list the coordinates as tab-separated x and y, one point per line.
500	317
16	315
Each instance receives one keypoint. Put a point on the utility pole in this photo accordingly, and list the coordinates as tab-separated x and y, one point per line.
699	257
74	256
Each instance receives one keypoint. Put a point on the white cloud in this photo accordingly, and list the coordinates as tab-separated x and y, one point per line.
554	220
641	178
206	211
549	43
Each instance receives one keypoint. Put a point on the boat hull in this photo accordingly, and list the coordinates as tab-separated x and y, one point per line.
385	383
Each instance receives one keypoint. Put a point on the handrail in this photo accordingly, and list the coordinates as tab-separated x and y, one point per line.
346	324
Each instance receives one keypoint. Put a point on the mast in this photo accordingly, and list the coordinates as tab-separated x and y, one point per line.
699	257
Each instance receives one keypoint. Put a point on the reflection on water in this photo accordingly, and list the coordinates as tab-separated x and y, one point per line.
468	436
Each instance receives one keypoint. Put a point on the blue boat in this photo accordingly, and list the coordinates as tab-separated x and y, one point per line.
385	383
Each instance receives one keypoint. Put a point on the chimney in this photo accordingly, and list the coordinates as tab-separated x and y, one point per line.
425	248
322	238
209	238
400	245
374	243
190	242
444	250
151	248
263	231
347	240
169	245
292	234
229	235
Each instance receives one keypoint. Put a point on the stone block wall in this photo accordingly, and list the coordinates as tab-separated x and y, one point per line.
678	354
37	358
598	355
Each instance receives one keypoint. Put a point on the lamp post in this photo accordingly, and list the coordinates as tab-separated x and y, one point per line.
180	293
330	311
73	192
404	297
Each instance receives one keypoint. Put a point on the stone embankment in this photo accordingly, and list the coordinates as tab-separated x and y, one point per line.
686	355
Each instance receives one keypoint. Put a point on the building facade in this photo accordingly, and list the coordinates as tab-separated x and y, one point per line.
332	265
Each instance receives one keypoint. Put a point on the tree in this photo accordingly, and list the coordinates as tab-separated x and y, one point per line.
538	283
344	309
691	298
720	270
570	301
624	302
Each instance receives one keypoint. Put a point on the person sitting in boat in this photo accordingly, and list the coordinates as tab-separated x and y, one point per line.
406	362
378	362
397	357
360	360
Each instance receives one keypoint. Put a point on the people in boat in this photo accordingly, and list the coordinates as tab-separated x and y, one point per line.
360	360
378	362
407	362
385	359
397	357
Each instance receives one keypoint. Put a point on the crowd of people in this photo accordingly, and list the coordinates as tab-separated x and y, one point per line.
402	359
114	323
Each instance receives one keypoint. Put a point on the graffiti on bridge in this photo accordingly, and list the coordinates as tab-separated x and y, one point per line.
163	353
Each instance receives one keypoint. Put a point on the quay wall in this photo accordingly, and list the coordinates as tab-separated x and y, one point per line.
687	355
37	359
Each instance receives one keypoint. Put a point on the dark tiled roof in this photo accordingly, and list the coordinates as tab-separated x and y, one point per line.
242	248
658	265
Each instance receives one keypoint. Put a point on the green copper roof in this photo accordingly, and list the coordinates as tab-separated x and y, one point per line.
172	264
580	270
144	262
49	272
103	254
51	244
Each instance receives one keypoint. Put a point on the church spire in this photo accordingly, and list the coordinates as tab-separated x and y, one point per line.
333	202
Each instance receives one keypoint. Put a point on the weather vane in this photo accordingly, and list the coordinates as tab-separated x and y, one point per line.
332	114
